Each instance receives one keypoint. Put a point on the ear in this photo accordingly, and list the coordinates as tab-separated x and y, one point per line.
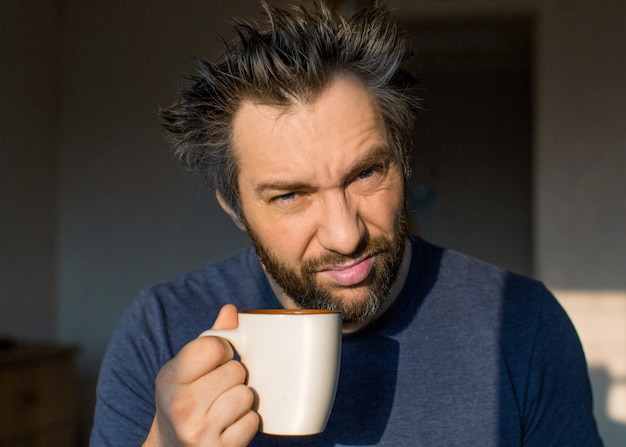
229	210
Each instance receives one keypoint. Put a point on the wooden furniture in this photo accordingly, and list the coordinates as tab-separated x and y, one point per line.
38	396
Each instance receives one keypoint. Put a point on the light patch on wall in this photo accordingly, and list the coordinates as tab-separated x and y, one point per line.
600	319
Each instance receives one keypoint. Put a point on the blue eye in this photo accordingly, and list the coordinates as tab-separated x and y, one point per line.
286	197
366	174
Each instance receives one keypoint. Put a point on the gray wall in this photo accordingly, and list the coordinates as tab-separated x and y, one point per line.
29	111
581	145
94	208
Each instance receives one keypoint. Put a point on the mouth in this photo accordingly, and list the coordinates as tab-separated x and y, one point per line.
349	274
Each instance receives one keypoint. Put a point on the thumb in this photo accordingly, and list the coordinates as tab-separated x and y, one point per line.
227	318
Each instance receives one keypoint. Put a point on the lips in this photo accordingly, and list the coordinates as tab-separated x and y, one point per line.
352	274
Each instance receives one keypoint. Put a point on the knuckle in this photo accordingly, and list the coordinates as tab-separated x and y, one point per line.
246	395
183	421
242	397
181	407
189	434
236	371
217	348
164	376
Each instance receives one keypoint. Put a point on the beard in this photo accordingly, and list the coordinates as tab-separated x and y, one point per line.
302	286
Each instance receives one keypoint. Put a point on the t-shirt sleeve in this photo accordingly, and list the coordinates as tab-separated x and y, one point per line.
557	406
125	392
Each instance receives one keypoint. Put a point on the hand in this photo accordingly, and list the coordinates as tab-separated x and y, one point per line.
201	399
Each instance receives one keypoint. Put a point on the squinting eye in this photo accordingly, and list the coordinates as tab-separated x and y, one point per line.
366	174
286	197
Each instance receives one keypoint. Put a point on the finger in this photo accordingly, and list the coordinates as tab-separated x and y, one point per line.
218	382
241	432
232	415
186	407
227	318
197	358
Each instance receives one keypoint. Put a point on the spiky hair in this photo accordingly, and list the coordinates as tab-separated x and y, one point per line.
291	60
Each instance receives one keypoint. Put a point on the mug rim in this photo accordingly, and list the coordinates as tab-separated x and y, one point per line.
289	312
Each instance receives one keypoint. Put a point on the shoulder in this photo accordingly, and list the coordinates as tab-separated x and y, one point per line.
167	315
462	285
461	272
519	323
189	303
455	273
212	280
157	324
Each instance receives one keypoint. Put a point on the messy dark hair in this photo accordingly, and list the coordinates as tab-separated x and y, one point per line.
299	53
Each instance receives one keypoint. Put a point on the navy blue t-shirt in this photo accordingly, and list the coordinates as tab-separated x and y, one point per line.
468	355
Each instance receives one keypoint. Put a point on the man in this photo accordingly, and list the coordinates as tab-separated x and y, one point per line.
303	130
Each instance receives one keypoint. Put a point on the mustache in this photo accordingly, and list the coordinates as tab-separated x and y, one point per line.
367	248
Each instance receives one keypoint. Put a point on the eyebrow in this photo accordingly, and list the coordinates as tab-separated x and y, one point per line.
281	186
375	155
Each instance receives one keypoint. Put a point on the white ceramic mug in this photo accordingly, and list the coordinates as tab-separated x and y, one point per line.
292	357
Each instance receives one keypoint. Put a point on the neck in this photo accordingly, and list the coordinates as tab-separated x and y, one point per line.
349	328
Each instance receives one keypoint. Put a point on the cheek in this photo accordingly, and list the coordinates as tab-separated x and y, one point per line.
287	238
382	210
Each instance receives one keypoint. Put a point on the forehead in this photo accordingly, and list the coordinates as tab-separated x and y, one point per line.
331	131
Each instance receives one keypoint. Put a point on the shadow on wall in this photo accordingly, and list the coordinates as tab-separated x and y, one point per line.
600	319
613	432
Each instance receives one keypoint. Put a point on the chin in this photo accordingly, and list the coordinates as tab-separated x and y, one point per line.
349	296
357	309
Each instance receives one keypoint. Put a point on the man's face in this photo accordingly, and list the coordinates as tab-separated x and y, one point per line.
322	196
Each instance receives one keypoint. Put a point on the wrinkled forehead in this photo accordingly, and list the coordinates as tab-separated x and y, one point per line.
344	91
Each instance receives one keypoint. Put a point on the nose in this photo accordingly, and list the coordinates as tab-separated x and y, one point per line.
340	227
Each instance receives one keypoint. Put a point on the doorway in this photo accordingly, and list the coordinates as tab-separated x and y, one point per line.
471	188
